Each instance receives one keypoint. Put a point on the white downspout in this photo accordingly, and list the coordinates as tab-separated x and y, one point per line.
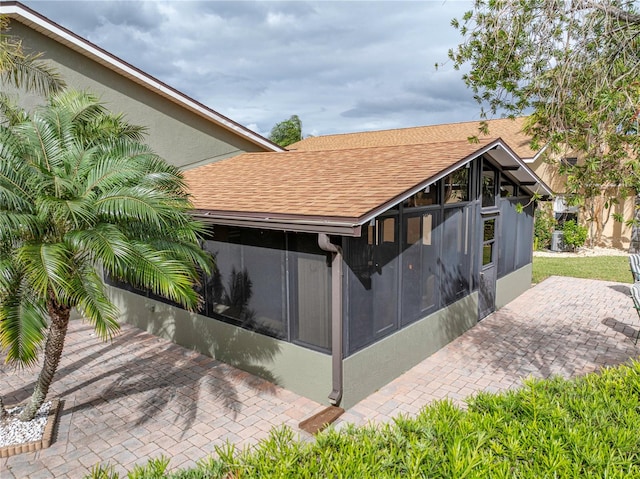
336	317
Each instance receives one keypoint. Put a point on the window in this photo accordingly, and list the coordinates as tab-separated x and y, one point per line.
456	186
454	260
387	230
509	236
524	245
310	283
426	197
248	284
488	186
489	240
371	272
271	282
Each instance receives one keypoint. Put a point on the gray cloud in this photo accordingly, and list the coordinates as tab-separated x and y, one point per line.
341	66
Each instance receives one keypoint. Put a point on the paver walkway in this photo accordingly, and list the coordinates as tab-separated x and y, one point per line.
142	396
562	326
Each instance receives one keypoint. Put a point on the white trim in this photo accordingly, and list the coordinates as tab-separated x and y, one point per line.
535	158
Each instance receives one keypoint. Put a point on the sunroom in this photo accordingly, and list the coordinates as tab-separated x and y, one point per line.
338	270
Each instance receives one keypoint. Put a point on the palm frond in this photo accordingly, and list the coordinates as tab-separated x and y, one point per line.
77	189
145	205
19	226
104	244
109	127
10	112
22	324
67	214
48	267
8	275
156	271
187	252
30	73
93	304
113	170
15	174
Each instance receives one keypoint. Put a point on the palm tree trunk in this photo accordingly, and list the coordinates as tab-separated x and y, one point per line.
59	315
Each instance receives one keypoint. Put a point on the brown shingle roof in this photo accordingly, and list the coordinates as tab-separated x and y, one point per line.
509	130
345	184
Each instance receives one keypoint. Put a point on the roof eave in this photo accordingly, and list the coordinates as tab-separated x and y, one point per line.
502	154
298	223
538	154
540	187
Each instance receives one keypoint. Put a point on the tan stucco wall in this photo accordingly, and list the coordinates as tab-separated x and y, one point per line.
615	234
293	367
181	137
548	173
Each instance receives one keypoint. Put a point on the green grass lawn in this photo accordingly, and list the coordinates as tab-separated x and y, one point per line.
607	268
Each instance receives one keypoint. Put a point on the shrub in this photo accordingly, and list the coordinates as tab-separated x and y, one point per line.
543	226
574	235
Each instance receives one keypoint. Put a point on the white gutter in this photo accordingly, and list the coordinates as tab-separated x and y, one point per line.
537	155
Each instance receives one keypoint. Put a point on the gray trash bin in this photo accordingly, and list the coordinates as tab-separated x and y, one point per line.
557	241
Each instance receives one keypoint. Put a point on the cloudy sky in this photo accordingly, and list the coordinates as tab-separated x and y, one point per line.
341	66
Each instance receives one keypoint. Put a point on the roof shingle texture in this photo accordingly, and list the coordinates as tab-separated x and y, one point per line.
509	130
344	184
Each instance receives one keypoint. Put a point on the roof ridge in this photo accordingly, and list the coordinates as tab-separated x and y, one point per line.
420	143
455	123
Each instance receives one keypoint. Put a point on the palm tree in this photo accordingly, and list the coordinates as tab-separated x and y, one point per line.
23	70
80	194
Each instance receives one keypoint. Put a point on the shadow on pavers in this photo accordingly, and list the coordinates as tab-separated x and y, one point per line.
163	378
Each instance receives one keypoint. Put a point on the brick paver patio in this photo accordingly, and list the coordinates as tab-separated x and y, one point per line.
142	396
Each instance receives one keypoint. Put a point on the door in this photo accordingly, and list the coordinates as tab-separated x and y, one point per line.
488	268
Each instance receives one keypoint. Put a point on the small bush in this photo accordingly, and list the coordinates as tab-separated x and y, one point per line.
543	227
574	235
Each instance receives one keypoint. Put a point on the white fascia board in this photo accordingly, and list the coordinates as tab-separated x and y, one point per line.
381	209
535	158
88	49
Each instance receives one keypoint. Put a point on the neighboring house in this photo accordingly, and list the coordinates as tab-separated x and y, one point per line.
615	234
181	130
